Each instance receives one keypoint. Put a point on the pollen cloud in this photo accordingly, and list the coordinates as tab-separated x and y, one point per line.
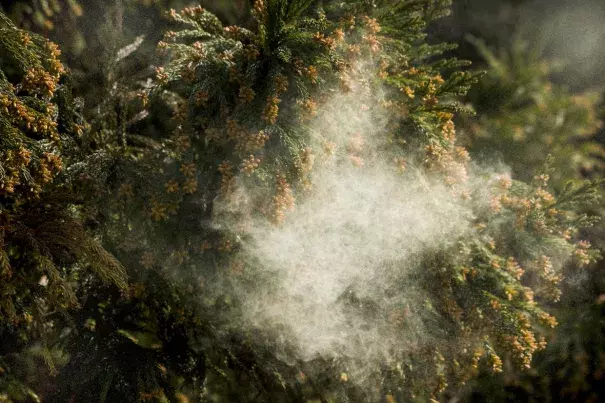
334	269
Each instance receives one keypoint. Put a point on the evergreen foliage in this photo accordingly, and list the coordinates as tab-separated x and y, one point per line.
541	118
44	246
124	238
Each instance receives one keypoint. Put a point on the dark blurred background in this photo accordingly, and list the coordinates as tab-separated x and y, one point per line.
569	33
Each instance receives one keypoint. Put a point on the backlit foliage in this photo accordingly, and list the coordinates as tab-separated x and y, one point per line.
542	117
232	79
173	174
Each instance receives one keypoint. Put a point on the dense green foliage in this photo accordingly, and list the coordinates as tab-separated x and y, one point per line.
45	249
125	265
542	117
